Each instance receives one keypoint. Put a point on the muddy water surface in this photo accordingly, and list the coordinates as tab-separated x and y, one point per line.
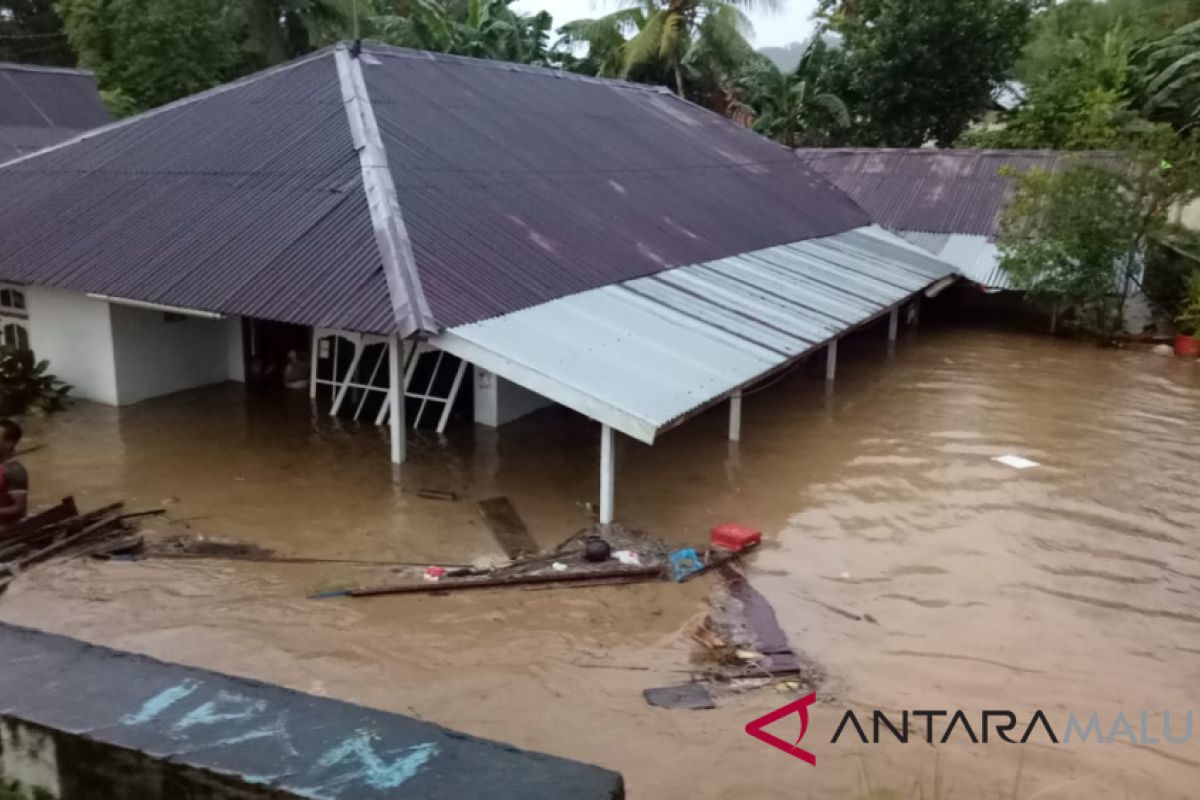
1072	586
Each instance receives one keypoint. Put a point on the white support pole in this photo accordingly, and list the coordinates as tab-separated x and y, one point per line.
735	417
607	475
916	311
831	360
396	399
893	323
312	365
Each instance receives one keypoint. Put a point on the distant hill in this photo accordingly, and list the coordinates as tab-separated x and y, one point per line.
786	57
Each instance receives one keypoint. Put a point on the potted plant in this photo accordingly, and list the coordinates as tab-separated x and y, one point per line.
1186	343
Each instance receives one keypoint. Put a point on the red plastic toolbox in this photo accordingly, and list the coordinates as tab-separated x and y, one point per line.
731	536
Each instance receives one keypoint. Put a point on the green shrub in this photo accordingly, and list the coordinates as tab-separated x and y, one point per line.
1189	318
26	387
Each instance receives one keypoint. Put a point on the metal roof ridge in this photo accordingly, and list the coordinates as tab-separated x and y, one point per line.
16	66
181	102
379	48
410	307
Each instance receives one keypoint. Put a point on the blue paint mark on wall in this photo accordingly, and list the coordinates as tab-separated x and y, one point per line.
226	707
355	761
161	702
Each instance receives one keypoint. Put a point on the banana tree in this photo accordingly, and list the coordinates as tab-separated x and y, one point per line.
1174	90
792	108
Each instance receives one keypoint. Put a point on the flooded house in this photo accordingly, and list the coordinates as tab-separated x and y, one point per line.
398	231
40	106
949	202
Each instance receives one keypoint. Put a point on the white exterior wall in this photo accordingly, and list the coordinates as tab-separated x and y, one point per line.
117	355
498	401
74	332
155	357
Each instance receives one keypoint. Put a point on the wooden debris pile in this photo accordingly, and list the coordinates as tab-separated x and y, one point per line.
742	647
63	532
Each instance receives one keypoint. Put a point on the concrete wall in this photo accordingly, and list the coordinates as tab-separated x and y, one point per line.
155	356
83	722
75	334
498	401
117	354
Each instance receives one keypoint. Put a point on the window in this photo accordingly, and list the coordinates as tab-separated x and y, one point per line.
12	301
16	336
14	318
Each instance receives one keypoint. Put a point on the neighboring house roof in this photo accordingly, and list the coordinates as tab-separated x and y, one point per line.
949	202
506	186
41	106
644	354
931	190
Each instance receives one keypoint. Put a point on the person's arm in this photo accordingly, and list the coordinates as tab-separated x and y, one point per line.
16	481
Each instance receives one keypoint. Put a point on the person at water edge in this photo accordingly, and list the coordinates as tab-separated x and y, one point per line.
14	481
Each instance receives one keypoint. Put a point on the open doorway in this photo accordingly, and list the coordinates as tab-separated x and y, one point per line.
276	354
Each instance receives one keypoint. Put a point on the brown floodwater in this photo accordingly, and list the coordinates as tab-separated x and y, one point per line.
1071	586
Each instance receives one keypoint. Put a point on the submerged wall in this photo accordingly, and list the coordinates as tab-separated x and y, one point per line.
120	354
78	721
159	353
74	333
498	401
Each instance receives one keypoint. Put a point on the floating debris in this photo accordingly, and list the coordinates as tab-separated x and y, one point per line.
1016	462
62	532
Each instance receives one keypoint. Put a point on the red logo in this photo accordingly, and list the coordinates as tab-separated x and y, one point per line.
755	728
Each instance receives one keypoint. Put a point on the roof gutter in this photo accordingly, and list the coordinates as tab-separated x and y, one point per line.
187	312
409	305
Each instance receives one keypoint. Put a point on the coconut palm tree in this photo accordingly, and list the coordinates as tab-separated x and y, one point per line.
664	32
792	107
482	28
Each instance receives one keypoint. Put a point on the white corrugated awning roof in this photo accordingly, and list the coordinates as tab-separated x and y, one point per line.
643	354
977	258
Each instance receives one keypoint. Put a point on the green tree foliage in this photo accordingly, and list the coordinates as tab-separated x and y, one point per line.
595	46
32	33
1173	90
1061	236
1078	236
479	28
1189	316
795	108
1080	101
688	40
921	70
274	31
25	385
149	52
1058	23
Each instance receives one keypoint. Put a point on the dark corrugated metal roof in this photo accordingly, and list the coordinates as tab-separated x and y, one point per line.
936	191
517	184
520	184
41	106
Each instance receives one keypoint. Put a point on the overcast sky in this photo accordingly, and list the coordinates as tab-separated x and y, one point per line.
792	24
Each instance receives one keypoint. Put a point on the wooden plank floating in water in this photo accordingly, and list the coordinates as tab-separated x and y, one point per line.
507	527
598	577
